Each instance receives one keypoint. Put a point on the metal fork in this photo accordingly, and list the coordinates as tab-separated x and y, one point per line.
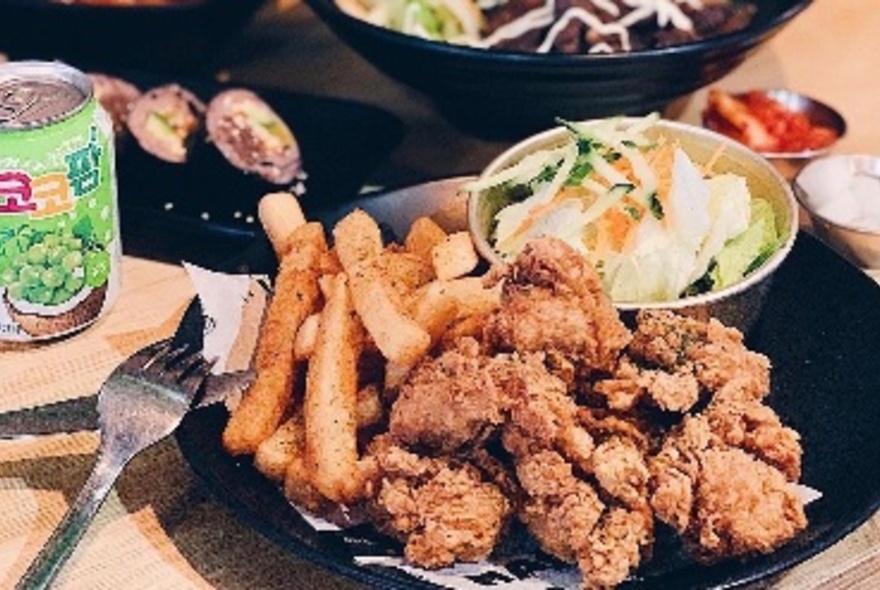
141	402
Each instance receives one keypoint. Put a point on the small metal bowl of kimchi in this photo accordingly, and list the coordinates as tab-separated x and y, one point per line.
672	216
784	126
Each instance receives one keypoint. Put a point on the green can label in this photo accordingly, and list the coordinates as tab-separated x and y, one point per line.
59	227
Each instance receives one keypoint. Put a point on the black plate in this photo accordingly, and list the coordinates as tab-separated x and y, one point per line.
214	205
820	328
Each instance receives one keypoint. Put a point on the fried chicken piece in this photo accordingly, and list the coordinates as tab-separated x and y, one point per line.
603	424
675	473
672	392
449	402
559	509
623	390
542	414
757	429
726	501
442	510
564	476
570	521
620	469
553	302
744	505
714	353
615	547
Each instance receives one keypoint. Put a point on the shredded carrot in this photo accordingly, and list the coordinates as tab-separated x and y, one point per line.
617	225
565	193
661	161
713	159
624	166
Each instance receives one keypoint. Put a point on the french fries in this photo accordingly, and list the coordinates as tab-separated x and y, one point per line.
369	405
454	256
355	319
299	490
280	214
304	343
398	337
330	405
295	298
286	444
434	309
423	235
470	296
357	238
403	271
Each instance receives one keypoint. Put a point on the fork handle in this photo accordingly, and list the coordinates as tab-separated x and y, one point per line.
63	541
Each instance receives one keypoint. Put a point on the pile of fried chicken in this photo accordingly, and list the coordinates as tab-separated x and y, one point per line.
556	414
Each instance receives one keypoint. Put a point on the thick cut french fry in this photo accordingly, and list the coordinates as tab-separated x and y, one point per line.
438	304
325	283
404	272
330	405
434	309
295	294
280	214
304	343
295	298
396	374
299	490
397	336
369	405
455	256
471	296
424	234
356	238
284	445
330	264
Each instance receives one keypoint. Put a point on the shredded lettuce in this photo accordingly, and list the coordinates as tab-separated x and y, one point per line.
637	207
749	249
455	21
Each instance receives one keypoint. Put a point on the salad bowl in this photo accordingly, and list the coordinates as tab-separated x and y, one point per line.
736	299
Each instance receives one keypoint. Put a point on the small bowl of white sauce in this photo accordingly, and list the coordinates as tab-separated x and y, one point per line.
841	195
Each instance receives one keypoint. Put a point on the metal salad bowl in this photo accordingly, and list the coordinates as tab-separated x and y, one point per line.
737	305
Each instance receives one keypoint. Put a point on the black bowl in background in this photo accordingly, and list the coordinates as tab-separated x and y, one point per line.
507	94
177	37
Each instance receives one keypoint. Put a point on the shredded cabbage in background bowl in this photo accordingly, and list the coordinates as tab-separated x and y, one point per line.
656	225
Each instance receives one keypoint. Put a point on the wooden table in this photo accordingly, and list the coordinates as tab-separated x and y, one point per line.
159	528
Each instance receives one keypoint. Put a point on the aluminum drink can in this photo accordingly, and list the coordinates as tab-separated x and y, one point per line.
60	249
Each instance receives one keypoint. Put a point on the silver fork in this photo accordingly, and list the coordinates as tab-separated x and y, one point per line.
141	402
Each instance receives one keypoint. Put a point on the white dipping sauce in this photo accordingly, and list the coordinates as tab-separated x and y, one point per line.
844	190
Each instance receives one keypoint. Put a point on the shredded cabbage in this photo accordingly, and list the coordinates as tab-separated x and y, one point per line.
639	209
455	21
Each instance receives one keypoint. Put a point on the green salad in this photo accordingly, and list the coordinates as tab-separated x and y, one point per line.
652	222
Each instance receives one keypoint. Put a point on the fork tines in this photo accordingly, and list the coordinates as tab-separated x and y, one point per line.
180	364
